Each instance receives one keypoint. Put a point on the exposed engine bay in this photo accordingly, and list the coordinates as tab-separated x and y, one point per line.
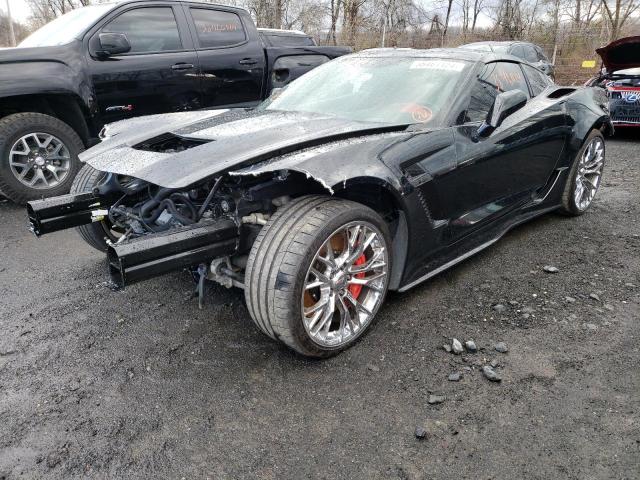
151	230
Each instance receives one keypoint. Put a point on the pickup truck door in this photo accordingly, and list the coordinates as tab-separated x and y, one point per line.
158	74
230	54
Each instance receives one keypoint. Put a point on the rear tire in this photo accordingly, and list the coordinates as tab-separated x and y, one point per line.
584	176
97	233
279	289
50	169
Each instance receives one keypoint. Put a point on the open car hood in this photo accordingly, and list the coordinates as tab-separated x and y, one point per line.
177	150
621	54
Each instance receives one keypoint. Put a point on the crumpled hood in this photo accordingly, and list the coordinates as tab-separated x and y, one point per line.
220	141
621	54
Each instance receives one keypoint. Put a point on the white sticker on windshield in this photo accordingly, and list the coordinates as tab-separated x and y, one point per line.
437	65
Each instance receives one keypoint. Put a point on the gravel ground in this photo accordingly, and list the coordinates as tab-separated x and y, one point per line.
141	384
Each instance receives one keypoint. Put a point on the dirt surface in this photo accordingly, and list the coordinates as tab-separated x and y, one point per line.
141	384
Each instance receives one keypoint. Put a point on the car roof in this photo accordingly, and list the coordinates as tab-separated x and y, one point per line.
451	53
197	2
497	42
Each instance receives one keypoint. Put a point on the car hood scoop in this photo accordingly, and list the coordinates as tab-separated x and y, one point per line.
621	54
203	144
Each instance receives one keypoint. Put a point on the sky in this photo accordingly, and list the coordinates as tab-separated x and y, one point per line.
19	9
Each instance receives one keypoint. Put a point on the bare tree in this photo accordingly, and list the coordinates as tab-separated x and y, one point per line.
617	12
447	16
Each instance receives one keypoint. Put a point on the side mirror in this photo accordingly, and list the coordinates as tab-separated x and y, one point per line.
113	44
504	105
275	93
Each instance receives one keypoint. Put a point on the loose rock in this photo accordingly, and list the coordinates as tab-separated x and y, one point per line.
420	432
457	346
471	347
569	299
501	347
499	307
436	399
495	363
491	374
373	368
454	377
551	269
447	348
594	296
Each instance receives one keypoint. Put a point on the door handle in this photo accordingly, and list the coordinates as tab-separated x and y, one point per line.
248	61
182	66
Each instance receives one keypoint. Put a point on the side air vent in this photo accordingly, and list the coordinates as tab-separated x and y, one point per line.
561	92
169	143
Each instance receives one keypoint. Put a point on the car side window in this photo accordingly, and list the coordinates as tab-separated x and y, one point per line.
538	81
541	56
497	77
148	29
530	54
216	28
517	51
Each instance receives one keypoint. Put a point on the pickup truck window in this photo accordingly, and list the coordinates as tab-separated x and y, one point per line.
216	28
148	29
289	40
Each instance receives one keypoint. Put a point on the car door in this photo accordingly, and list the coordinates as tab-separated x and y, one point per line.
157	75
504	170
231	56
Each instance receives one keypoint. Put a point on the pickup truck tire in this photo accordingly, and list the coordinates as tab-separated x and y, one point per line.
49	150
298	279
97	233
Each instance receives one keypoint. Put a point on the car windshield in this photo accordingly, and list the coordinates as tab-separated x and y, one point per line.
390	90
64	29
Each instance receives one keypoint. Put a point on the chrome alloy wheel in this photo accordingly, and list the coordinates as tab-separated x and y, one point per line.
345	284
589	173
40	160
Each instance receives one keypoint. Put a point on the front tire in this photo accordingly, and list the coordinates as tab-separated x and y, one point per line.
95	234
585	176
38	156
318	273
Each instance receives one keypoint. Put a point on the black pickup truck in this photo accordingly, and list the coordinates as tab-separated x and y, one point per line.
112	61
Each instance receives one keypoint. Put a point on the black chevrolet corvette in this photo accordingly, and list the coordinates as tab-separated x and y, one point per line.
373	172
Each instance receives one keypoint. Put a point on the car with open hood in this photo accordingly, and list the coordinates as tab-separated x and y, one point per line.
620	76
373	172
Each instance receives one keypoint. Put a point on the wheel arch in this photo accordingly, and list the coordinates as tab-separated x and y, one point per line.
385	200
66	107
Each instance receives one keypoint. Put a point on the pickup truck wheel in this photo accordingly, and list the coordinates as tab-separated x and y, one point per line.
318	273
97	233
38	156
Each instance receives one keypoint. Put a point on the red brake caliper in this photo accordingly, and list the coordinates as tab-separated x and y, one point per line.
355	289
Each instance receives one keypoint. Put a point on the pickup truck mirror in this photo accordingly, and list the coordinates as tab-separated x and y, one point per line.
504	105
113	44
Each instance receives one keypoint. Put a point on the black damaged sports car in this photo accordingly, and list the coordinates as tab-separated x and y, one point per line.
373	172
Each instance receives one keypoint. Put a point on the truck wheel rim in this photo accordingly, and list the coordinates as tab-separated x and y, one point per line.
345	284
589	173
40	160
